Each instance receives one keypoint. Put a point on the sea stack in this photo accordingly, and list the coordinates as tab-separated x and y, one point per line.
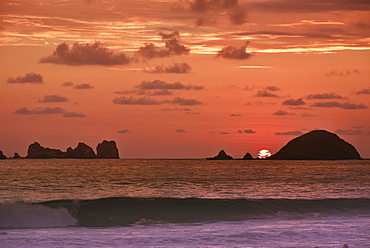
35	150
221	156
107	149
317	145
247	156
2	156
16	155
81	151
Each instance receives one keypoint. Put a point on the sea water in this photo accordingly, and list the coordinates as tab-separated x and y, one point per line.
184	203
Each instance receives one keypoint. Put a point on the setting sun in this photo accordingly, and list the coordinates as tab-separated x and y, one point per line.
264	153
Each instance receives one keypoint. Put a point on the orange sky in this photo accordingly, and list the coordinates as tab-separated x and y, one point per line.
183	79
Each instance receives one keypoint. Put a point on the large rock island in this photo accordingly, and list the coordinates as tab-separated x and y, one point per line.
317	145
222	155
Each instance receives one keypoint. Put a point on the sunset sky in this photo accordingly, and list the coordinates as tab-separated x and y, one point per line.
183	78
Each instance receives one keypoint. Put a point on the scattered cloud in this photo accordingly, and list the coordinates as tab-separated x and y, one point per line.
86	54
231	52
184	101
363	91
73	115
272	88
246	131
67	84
294	102
54	98
39	111
176	109
124	131
265	93
175	68
345	105
342	73
83	86
32	78
224	132
172	47
330	95
180	131
295	133
235	115
281	112
135	101
351	132
163	85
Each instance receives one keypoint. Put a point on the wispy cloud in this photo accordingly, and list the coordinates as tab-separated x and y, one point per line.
54	98
231	52
294	102
281	112
351	132
330	95
39	111
249	131
32	78
363	91
265	93
135	101
180	131
163	85
124	131
184	101
346	105
293	133
342	73
175	68
73	115
83	86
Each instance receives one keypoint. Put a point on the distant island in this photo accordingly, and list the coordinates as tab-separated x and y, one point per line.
314	145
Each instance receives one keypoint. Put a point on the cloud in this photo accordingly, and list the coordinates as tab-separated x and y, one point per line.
224	132
54	98
86	54
39	111
176	109
184	101
67	84
294	102
272	88
281	112
363	91
345	105
73	115
163	85
180	131
231	52
83	86
175	68
32	78
342	73
246	131
351	132
145	92
124	131
265	93
330	95
235	115
295	133
172	47
136	101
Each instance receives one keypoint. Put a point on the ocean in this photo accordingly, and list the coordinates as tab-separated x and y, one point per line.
184	203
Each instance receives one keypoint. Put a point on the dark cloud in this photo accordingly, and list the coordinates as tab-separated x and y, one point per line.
265	93
330	95
238	16
224	132
67	84
345	105
175	68
246	131
124	131
272	88
363	91
180	131
135	101
281	112
39	111
163	85
342	73
145	92
294	102
231	52
310	6
206	5
86	54
73	115
295	133
54	98
172	47
351	132
176	109
32	78
184	101
275	34
235	115
361	25
83	86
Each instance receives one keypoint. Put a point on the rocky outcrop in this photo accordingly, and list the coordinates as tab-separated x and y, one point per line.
2	156
16	156
81	151
35	150
107	149
247	156
317	145
221	156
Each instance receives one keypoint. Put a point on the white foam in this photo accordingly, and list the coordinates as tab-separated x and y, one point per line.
26	215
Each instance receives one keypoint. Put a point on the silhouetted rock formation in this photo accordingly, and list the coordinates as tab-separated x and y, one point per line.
2	156
16	156
35	150
247	156
81	151
107	149
317	145
221	156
